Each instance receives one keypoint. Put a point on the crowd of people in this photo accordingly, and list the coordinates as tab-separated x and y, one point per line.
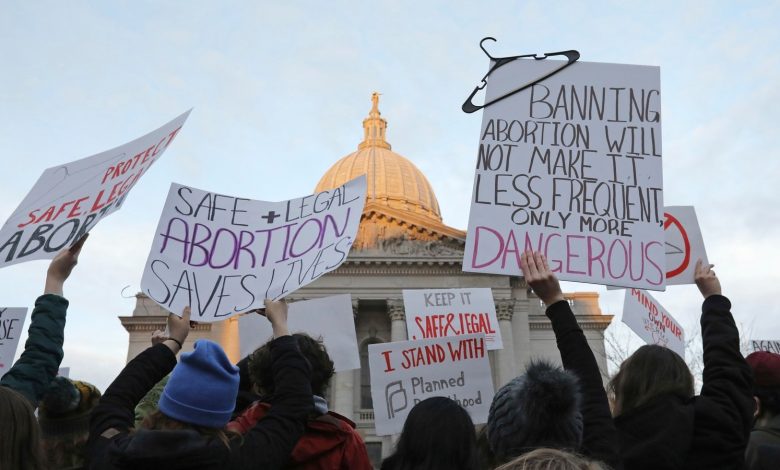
197	410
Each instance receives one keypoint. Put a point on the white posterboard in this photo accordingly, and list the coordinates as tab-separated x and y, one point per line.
326	318
11	328
223	255
683	244
68	200
571	167
768	345
648	319
406	372
433	313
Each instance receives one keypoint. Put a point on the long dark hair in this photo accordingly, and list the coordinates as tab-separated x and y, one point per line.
20	442
437	434
648	373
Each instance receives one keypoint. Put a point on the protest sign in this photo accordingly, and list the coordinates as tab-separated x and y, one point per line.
571	167
684	244
433	313
68	200
648	319
768	345
64	372
223	255
406	372
326	318
11	327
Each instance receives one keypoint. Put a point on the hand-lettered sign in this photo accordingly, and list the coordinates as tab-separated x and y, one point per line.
648	319
68	200
223	255
684	244
326	318
571	167
433	313
406	372
768	345
11	327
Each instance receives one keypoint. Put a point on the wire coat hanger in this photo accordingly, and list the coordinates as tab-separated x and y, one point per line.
469	107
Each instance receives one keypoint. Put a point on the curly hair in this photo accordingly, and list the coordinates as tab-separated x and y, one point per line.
551	459
261	371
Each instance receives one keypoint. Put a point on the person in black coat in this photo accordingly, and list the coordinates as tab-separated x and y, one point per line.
549	407
661	424
187	432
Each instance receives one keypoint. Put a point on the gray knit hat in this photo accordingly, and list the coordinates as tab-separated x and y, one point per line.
540	408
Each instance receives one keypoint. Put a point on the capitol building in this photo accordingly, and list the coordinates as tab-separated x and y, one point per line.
402	243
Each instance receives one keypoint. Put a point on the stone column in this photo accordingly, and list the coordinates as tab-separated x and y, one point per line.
395	310
344	384
505	358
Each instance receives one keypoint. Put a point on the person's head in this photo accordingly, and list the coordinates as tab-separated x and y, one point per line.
551	459
766	385
261	365
200	393
540	408
650	372
438	434
63	415
20	444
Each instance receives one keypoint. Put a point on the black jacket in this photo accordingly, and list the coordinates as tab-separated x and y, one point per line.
708	431
113	443
599	436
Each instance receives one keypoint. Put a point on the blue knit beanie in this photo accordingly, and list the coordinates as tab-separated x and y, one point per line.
203	387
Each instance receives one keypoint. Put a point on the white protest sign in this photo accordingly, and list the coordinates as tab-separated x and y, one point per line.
11	327
68	200
224	255
648	319
767	345
683	244
64	372
571	167
433	313
328	318
406	372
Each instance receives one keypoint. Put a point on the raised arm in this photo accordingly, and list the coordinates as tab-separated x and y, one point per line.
600	438
271	441
40	361
724	409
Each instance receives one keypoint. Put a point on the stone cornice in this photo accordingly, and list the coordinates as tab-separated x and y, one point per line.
152	323
586	322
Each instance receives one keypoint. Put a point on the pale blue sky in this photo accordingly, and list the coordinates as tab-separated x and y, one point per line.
279	90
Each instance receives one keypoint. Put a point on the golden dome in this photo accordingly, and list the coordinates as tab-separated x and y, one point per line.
393	181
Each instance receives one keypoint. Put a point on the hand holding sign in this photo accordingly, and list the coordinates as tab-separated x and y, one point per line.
61	267
276	313
706	280
540	277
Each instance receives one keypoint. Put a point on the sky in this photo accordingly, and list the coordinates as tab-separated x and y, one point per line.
279	91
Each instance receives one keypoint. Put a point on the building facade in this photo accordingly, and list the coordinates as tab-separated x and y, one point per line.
402	243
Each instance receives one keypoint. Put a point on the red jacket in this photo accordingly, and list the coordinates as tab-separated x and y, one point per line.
329	442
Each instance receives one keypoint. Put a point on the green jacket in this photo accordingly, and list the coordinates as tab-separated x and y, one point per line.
40	361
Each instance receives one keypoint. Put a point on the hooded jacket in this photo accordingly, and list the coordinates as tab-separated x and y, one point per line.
708	431
114	444
330	441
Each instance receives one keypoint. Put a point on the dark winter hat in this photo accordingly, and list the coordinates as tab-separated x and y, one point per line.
766	369
540	408
65	407
202	388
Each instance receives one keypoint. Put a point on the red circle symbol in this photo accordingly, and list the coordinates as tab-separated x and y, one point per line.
672	220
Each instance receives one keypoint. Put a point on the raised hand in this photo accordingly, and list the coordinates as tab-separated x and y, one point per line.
276	312
540	277
61	267
706	280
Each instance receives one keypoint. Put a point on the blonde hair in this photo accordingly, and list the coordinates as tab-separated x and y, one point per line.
551	459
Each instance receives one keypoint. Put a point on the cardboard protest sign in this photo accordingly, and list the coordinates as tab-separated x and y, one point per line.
571	167
768	345
11	328
433	313
328	318
406	372
224	255
68	200
648	319
683	244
